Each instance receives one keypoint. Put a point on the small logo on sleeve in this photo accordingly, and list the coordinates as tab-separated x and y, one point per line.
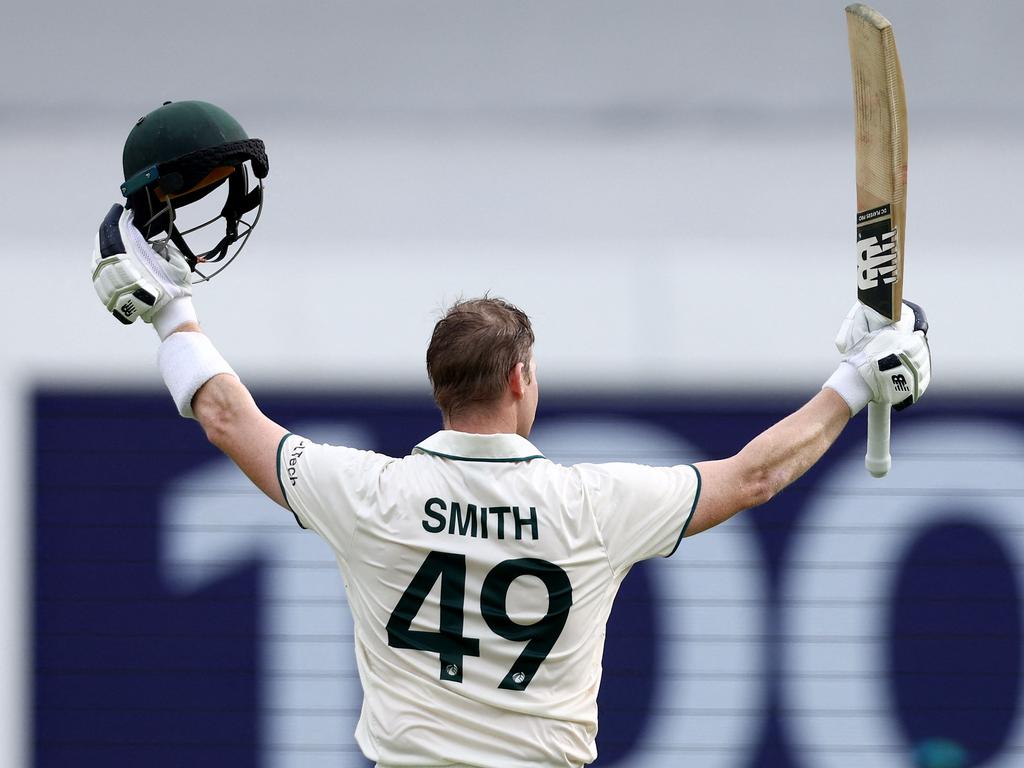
292	465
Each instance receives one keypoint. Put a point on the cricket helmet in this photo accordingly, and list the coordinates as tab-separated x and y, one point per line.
178	154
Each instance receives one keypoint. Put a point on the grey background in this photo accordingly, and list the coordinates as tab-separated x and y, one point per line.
688	164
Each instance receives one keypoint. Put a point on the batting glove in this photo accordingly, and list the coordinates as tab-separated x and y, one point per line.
134	280
883	362
860	322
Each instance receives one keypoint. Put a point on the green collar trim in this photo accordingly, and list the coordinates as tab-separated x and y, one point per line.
509	460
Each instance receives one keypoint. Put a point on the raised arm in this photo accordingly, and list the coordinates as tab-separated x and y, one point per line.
133	280
769	462
235	424
882	363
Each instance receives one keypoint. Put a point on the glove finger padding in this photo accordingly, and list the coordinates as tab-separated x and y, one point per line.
168	266
132	279
118	282
860	322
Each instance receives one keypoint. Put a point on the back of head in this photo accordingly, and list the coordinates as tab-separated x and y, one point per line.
472	351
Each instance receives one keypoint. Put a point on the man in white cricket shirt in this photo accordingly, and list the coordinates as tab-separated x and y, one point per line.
480	574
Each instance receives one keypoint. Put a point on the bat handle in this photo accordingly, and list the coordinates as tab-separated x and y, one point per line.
877	459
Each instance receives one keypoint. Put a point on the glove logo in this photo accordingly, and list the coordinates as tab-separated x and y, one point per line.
876	262
899	383
127	309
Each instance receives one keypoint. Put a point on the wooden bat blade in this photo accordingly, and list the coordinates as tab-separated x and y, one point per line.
880	119
880	115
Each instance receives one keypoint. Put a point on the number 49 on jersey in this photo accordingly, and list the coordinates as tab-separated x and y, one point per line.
450	643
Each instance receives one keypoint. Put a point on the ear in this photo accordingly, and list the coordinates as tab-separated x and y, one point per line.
517	381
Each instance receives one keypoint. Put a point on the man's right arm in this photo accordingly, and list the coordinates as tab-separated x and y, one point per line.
882	363
769	462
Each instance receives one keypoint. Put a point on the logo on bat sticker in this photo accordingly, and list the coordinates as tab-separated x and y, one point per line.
876	261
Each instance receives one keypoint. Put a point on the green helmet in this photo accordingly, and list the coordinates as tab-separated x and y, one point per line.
178	154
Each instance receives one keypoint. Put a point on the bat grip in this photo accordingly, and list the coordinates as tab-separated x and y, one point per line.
877	459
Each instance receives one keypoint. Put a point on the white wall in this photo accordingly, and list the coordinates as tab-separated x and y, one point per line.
666	187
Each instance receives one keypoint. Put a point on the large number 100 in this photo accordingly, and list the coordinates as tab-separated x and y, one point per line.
449	642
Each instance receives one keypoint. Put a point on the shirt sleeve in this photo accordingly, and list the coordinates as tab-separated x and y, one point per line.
326	486
641	511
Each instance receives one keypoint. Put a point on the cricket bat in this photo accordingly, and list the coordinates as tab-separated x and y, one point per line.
880	119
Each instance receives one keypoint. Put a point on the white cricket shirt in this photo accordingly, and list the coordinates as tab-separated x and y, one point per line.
480	577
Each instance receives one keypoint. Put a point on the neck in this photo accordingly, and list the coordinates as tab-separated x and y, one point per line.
484	422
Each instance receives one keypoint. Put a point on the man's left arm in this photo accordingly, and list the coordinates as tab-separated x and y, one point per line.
134	280
233	422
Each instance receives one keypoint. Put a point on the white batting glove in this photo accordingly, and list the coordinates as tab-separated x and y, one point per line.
859	322
883	362
134	280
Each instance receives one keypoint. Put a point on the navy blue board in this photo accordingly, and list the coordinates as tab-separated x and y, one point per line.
127	671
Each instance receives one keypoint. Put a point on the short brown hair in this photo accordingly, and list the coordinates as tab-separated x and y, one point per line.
473	349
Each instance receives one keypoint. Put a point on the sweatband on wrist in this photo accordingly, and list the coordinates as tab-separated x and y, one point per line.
187	361
175	313
850	386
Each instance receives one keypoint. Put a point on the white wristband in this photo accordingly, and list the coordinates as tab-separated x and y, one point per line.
850	386
187	361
